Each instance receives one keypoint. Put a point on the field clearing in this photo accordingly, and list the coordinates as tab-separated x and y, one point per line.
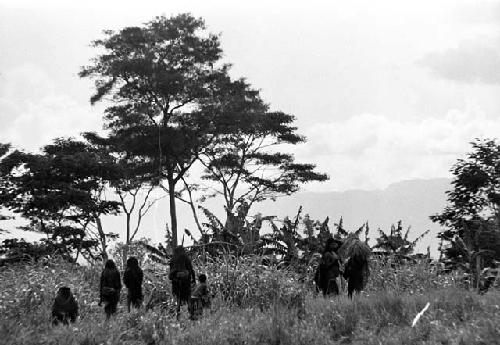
281	310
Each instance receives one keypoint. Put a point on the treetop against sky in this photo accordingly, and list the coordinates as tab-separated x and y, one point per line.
383	91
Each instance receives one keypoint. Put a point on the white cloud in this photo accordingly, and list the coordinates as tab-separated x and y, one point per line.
371	151
33	110
473	61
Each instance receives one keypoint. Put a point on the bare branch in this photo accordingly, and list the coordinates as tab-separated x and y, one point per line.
144	209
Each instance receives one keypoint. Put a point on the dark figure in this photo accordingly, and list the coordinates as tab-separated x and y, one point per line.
356	273
200	298
132	278
329	268
110	288
65	308
181	274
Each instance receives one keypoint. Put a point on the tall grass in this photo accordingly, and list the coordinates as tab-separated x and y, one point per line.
265	306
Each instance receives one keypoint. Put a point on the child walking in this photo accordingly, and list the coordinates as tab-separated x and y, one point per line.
200	298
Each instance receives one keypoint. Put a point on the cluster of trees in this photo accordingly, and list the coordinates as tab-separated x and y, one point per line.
471	220
171	106
296	240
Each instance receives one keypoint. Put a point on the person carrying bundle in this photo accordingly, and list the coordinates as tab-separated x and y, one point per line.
181	274
329	268
356	270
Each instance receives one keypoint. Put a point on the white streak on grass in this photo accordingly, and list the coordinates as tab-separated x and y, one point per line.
417	317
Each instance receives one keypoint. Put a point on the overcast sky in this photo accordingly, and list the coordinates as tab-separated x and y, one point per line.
384	90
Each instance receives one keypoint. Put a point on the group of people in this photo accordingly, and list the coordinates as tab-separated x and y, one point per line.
65	307
111	285
182	276
329	270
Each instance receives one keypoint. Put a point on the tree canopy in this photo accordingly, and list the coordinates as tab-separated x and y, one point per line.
173	104
472	216
60	191
246	162
156	76
135	182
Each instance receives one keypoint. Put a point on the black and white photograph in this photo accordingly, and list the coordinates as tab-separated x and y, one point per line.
209	172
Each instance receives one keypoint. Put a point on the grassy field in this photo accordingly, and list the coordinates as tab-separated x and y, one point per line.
253	305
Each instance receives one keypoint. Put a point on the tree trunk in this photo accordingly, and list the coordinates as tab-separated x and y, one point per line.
173	213
102	238
128	228
125	255
193	208
228	225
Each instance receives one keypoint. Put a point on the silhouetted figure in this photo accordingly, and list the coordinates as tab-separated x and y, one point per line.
329	268
132	278
200	298
65	308
110	288
181	274
356	273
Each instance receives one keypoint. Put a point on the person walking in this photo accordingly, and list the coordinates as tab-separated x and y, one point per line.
110	288
132	279
329	268
182	275
200	298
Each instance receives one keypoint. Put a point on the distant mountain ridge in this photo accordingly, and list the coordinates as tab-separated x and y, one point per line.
411	201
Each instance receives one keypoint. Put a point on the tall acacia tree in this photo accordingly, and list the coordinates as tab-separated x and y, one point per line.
156	76
246	162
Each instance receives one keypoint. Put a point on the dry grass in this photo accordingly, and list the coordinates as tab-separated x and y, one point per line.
381	316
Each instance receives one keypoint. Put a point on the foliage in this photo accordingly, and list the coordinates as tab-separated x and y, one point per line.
246	161
397	242
285	240
294	241
174	105
61	192
134	184
340	232
476	186
316	234
4	148
471	218
383	315
15	250
157	75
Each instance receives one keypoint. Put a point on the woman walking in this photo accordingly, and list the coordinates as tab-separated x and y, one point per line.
182	275
132	278
329	268
110	288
